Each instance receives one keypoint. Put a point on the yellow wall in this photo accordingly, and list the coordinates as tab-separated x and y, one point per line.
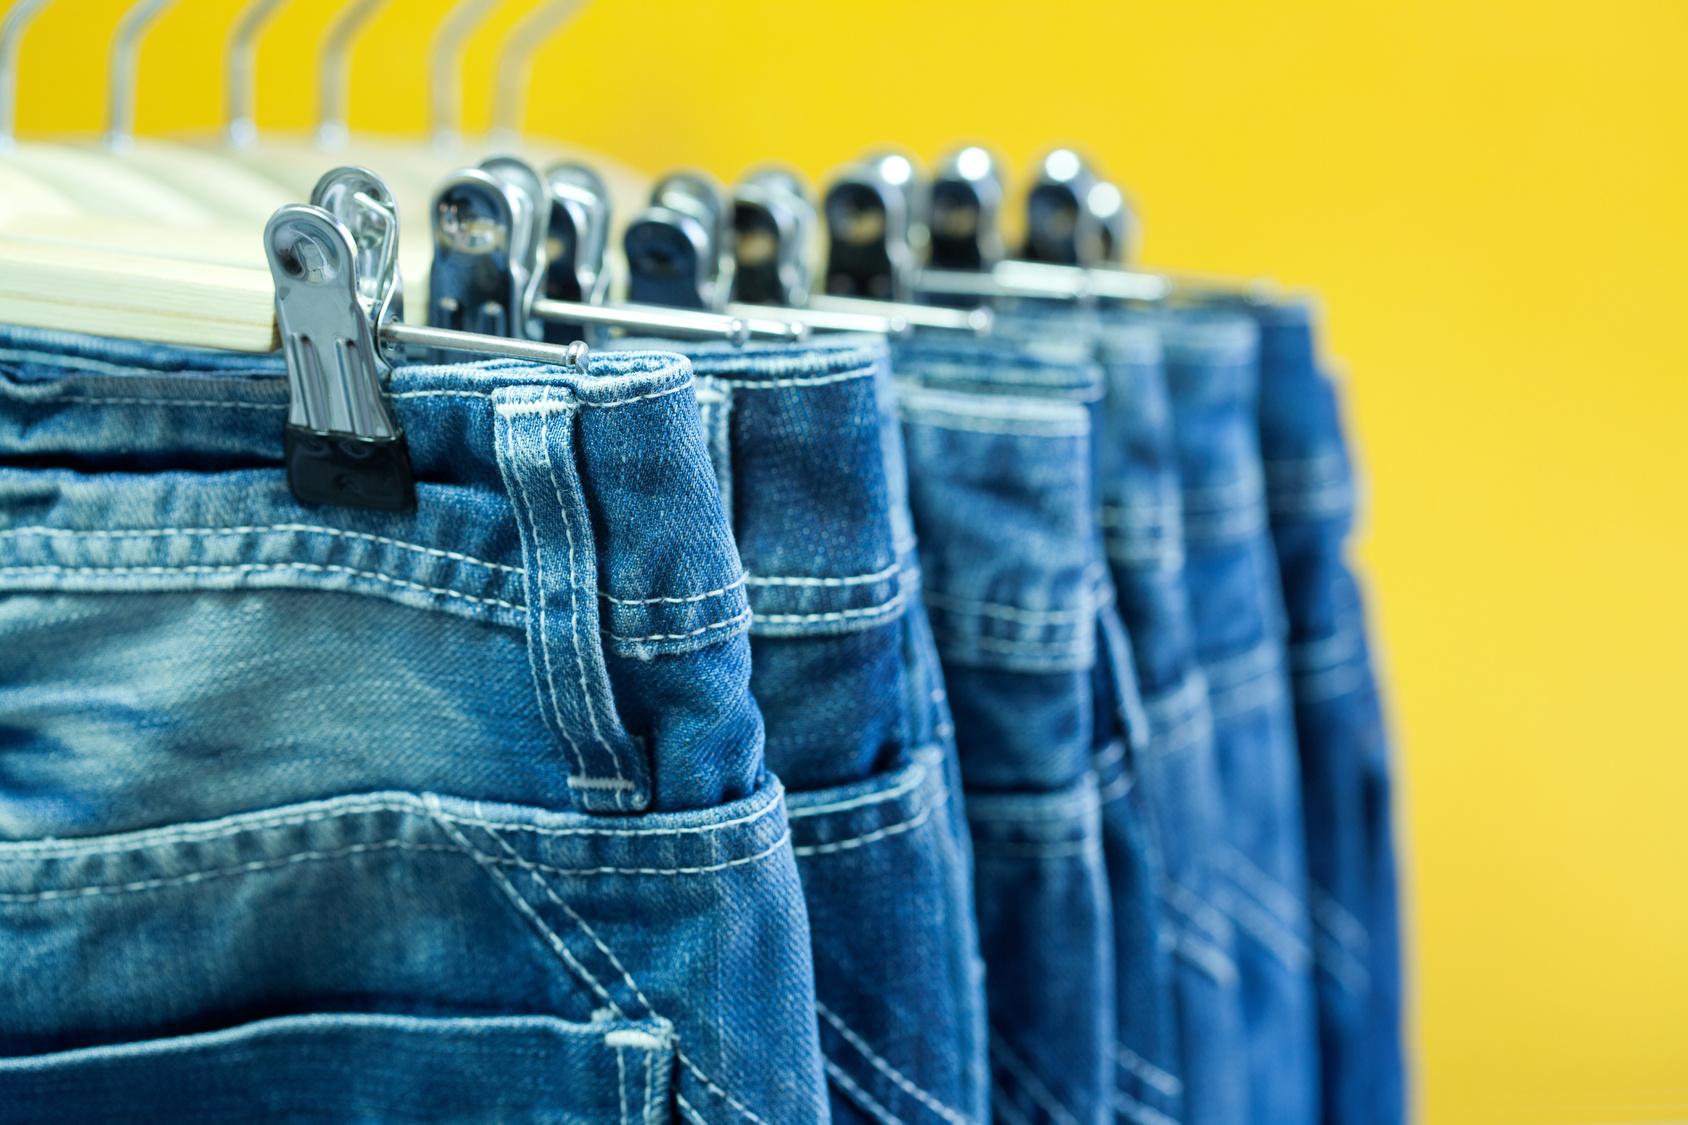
1492	199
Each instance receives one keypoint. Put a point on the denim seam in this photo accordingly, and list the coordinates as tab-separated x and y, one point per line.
741	618
913	782
1335	919
686	1108
1340	965
423	807
1011	613
549	408
256	529
326	568
873	837
231	403
860	1096
219	872
897	1077
1196	909
1208	958
852	580
574	605
1131	1109
1115	789
558	944
883	609
621	1082
1142	1068
797	381
936	421
1029	1080
1288	948
613	600
519	491
1280	900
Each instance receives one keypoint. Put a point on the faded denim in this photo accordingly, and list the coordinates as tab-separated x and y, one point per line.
1048	724
808	452
1212	366
1345	774
313	813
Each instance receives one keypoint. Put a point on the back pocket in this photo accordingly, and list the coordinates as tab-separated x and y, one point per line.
352	1068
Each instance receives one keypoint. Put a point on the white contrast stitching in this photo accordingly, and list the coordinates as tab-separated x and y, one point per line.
1131	1109
621	1082
955	1117
860	1096
219	872
443	394
686	1108
613	600
709	1084
1267	891
1039	1092
256	529
1052	429
736	619
1167	1084
798	381
884	609
574	607
1009	612
1204	956
918	774
232	569
865	839
638	398
518	488
853	580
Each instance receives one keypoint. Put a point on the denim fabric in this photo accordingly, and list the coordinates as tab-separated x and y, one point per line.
286	791
808	450
1004	496
1237	609
1344	754
1143	529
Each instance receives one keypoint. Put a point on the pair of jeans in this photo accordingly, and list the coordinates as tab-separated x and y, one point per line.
1339	726
319	813
1039	675
1212	368
808	452
1143	530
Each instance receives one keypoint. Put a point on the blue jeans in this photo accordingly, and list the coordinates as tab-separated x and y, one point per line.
1344	752
807	449
1143	530
1212	370
1038	668
318	813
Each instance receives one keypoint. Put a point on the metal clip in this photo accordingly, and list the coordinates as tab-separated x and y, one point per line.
343	444
966	200
577	233
774	220
679	248
871	218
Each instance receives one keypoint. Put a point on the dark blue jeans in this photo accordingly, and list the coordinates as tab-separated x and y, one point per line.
1344	752
326	814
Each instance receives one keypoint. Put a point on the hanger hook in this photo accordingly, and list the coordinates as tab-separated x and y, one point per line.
332	67
515	66
445	72
121	69
17	20
239	62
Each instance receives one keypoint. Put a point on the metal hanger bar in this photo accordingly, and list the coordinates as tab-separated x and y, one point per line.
121	68
825	321
1014	278
978	321
239	99
515	66
415	335
669	322
18	18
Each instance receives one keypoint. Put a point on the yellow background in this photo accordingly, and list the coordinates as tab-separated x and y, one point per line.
1493	200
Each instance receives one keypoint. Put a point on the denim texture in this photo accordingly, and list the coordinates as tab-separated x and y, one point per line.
808	450
1046	711
1212	367
1345	774
315	813
1143	531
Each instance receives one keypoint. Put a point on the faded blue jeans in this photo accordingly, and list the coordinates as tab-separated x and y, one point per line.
809	455
311	813
1345	775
